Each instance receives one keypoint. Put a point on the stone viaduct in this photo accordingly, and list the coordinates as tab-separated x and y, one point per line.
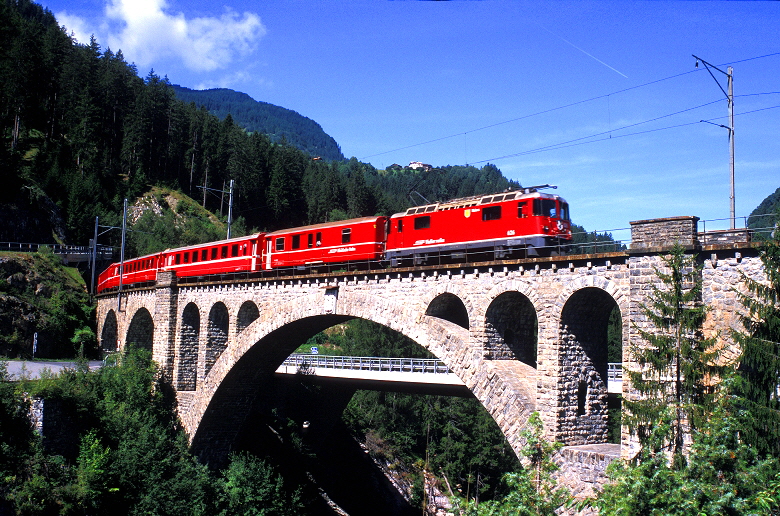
524	335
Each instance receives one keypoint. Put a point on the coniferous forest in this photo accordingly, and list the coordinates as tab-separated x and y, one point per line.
82	131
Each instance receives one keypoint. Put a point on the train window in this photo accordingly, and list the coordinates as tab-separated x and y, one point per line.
194	256
545	207
346	234
280	244
422	222
319	239
400	225
223	254
244	249
565	211
213	253
178	259
310	240
234	250
521	209
491	213
296	241
186	257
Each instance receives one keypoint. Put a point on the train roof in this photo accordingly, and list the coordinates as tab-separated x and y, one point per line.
325	225
475	200
216	242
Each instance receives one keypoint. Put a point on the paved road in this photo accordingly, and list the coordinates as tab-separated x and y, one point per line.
17	368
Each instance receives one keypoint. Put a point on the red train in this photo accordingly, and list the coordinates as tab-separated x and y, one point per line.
504	225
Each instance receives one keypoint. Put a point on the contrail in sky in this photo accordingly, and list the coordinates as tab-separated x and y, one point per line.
587	54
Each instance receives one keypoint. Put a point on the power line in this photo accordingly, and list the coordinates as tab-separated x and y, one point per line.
550	110
578	141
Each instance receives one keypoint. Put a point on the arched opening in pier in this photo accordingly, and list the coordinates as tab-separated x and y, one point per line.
217	336
246	315
591	335
189	335
140	334
511	329
450	308
108	335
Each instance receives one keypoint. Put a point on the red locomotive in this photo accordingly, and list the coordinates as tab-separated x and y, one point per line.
497	226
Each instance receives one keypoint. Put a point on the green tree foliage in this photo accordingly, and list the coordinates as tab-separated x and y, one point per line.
38	294
455	437
725	469
251	487
533	490
125	452
765	216
260	117
759	371
674	360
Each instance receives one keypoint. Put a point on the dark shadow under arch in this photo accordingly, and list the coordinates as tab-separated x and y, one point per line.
246	315
450	308
583	357
109	333
140	334
189	334
217	334
511	328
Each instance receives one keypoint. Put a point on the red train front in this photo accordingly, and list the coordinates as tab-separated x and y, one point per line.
510	224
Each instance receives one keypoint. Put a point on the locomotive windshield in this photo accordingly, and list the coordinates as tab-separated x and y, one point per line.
545	207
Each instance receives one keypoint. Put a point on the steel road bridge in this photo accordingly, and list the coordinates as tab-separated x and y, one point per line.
522	335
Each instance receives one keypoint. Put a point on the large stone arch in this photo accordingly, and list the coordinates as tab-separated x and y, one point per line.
583	313
216	410
140	333
189	339
109	334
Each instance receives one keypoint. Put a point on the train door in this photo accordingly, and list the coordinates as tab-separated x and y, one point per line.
268	245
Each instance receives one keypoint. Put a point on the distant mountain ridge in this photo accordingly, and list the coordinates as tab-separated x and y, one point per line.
256	116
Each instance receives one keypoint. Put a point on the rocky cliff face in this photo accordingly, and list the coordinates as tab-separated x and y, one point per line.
38	295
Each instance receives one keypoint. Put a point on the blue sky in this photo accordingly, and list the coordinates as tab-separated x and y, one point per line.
611	86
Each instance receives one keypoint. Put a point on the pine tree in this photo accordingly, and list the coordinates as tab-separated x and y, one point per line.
676	365
759	371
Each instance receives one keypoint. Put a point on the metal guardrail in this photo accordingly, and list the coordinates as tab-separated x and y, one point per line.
26	247
402	365
406	365
615	372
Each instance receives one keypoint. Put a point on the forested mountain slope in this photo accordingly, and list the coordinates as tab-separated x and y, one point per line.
81	131
278	123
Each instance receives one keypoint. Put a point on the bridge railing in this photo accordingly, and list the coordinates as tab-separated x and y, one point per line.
615	372
103	251
402	365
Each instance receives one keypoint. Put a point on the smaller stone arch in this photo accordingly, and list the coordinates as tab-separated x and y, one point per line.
449	307
511	328
189	337
109	333
217	335
247	314
583	359
140	333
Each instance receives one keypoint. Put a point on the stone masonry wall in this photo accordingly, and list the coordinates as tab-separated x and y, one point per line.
569	297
